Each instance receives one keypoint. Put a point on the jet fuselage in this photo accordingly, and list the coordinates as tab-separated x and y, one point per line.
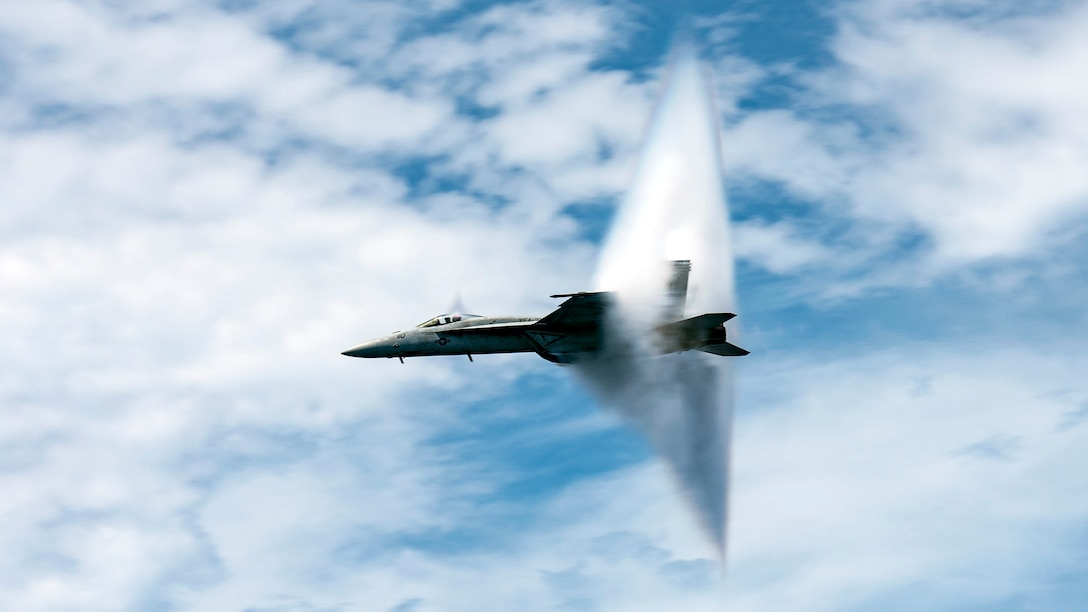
506	335
568	334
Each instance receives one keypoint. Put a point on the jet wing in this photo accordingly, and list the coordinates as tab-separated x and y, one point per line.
578	311
573	329
701	322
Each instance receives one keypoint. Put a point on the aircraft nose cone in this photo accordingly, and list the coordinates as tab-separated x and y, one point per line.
355	351
366	349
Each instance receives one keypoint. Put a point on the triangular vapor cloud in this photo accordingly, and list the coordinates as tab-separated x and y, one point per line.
675	209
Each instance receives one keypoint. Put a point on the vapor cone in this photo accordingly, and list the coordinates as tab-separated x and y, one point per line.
675	209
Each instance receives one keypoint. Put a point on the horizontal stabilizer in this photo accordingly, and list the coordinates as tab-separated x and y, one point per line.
705	332
724	349
703	321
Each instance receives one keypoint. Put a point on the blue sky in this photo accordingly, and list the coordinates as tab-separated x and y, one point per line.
204	202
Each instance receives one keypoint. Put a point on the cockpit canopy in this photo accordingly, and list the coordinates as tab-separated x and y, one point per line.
444	319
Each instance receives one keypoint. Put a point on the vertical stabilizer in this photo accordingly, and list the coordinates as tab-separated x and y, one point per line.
677	290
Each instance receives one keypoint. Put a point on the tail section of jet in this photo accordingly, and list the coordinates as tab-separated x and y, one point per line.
705	332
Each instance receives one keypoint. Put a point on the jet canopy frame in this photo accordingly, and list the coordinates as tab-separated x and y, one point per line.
446	319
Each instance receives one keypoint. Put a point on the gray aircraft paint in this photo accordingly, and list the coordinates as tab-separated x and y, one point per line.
573	332
504	335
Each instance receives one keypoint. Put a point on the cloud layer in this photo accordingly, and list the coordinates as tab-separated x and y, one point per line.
202	203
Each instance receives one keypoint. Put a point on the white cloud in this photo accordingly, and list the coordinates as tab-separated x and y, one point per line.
179	273
94	54
994	122
91	56
574	130
855	480
881	489
178	409
968	130
778	145
777	247
571	124
199	73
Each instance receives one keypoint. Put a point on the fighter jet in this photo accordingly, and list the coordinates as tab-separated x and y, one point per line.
572	332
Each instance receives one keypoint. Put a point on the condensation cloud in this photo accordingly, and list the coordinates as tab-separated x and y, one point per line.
675	209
